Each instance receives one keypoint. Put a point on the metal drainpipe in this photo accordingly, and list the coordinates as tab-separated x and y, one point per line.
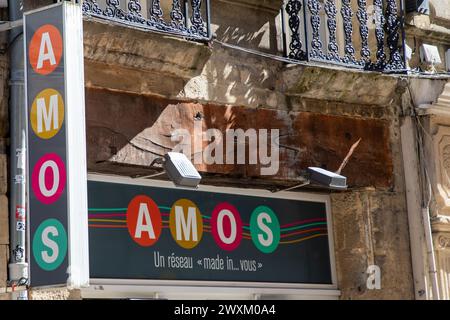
18	267
432	265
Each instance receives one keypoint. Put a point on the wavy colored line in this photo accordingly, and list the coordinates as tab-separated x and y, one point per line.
107	220
301	222
207	227
304	239
302	232
285	227
303	226
106	226
297	227
107	209
120	209
100	215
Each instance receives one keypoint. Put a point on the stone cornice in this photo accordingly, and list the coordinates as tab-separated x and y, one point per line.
442	242
444	99
341	84
116	45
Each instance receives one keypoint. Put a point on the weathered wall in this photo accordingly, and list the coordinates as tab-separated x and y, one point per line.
54	294
116	136
134	77
322	111
370	222
371	229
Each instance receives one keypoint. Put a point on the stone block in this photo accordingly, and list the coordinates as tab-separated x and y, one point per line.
3	265
3	174
4	225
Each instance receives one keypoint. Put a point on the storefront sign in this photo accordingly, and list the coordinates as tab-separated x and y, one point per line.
138	231
50	86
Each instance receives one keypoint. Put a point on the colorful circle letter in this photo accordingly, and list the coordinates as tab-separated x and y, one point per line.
50	244
144	221
186	224
265	229
47	113
48	178
226	226
46	48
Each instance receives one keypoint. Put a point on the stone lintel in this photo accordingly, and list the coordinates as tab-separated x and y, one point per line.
342	84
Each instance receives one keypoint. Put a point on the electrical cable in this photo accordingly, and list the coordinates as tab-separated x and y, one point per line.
309	63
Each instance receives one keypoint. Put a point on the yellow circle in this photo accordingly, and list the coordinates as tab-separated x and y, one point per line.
47	113
186	226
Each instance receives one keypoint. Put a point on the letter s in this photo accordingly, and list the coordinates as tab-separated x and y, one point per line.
50	244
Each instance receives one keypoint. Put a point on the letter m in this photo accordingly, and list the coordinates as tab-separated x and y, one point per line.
186	227
46	115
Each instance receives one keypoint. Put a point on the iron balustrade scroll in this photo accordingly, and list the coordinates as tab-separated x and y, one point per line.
187	18
365	34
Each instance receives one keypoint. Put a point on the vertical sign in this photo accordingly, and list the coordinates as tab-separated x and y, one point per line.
55	198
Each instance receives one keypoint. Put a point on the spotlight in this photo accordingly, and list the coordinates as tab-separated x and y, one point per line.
180	170
327	178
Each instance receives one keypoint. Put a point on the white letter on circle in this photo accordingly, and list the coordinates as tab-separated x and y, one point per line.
52	165
50	244
46	43
233	233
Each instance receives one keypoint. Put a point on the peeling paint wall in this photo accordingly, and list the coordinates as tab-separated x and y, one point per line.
117	136
321	110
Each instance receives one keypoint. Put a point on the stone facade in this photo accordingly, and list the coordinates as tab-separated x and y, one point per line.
435	129
322	110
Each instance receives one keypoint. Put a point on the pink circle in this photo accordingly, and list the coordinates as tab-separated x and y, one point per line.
47	169
226	226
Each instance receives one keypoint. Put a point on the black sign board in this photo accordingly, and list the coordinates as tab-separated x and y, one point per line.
138	231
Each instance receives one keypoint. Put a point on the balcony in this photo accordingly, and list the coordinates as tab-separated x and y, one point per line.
178	17
347	32
359	34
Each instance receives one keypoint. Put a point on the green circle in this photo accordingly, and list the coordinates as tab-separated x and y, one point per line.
55	236
269	220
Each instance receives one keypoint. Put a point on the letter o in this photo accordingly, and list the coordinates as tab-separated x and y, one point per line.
48	179
50	164
226	226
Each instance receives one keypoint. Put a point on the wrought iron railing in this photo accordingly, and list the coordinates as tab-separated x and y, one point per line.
357	33
188	18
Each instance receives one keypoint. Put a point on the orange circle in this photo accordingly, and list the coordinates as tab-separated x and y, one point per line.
144	221
46	49
46	117
193	236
